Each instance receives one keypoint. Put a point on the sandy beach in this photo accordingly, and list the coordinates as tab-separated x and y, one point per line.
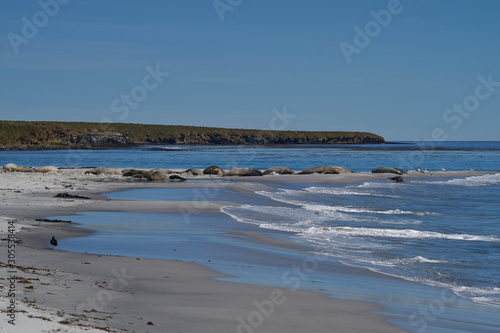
79	292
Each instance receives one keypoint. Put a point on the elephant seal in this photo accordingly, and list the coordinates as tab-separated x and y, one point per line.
157	175
342	170
397	179
213	170
243	172
17	168
105	171
48	168
135	172
389	170
194	172
11	167
325	170
279	171
167	171
176	178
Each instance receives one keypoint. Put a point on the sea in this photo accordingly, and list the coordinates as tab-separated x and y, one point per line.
443	233
437	232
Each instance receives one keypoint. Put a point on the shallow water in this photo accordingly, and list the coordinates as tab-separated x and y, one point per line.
409	243
442	233
410	155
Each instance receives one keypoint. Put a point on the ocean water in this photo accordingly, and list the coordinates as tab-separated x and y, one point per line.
440	232
407	155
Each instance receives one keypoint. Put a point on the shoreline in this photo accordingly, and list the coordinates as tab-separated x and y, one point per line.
74	265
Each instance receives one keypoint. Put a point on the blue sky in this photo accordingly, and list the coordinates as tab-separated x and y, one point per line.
425	70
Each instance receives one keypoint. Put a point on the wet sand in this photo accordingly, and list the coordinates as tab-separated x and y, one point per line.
77	292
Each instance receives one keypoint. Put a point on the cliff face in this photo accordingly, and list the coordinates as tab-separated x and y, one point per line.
60	135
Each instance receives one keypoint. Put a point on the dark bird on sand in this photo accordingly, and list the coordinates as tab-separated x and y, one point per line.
53	242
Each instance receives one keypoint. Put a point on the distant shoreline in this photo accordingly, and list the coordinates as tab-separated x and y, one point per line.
40	135
385	146
158	146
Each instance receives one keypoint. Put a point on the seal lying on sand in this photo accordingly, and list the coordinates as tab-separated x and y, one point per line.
397	179
389	170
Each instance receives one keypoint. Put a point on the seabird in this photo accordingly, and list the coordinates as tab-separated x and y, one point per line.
53	242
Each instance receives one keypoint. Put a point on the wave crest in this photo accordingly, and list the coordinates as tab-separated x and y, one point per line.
399	233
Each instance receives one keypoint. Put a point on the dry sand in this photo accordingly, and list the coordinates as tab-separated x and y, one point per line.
59	291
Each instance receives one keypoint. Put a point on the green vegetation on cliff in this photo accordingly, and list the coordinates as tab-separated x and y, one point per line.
57	135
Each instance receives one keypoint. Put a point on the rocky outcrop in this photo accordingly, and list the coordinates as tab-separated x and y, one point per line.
213	170
325	170
243	172
101	138
66	195
279	171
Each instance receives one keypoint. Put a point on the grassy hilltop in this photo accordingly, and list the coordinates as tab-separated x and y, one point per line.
59	135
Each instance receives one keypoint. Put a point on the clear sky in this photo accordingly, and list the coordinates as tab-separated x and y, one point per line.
407	70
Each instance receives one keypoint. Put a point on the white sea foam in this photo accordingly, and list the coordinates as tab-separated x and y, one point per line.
406	261
426	260
342	222
485	180
380	185
398	233
346	191
285	196
261	214
347	209
172	148
484	295
293	197
489	296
